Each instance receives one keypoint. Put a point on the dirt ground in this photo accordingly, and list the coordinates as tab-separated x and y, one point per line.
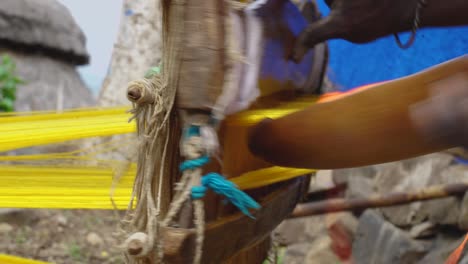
61	236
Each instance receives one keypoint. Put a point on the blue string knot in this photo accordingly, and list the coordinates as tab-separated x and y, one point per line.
217	182
194	163
220	185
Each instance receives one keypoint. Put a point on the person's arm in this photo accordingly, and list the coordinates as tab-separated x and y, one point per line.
362	21
445	13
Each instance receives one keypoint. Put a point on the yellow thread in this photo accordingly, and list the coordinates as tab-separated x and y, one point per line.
20	130
34	130
7	259
88	188
71	186
263	177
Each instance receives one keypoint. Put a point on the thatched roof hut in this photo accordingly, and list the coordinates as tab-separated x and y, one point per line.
47	45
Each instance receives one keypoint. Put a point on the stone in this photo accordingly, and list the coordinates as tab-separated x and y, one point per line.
415	174
317	251
61	220
296	253
300	230
408	176
464	260
463	217
378	241
45	27
342	232
5	228
322	180
344	175
321	253
49	84
442	247
422	230
5	211
94	239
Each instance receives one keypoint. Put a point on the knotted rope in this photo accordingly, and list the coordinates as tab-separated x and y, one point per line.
193	185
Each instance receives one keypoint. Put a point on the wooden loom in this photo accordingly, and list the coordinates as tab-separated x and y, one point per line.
21	195
206	66
231	237
221	57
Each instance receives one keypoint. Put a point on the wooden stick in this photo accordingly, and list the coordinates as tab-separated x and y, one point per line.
368	127
391	199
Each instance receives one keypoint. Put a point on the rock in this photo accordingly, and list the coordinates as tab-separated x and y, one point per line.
5	211
296	253
322	180
408	176
344	175
317	251
342	233
321	253
45	27
49	84
378	241
422	230
5	228
315	239
360	181
296	231
463	217
464	260
415	174
94	239
441	250
61	220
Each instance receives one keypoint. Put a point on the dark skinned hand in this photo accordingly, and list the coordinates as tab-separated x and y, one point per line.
444	115
358	21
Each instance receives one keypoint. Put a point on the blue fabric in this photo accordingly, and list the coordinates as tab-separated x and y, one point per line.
461	160
354	65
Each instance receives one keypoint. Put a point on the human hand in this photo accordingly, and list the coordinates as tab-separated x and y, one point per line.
443	117
358	21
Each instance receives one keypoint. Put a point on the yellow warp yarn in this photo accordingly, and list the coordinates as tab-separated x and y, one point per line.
23	186
68	181
22	130
7	259
90	187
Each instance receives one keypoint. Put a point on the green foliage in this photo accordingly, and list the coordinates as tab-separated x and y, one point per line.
74	250
8	83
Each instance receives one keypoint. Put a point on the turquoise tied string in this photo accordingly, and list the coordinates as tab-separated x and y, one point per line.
194	163
220	185
216	182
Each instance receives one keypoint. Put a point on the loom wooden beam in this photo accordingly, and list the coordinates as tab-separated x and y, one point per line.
235	233
392	121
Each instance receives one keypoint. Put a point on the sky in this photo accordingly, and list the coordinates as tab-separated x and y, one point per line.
99	20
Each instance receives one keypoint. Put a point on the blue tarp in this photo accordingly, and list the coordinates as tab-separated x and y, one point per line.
354	65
